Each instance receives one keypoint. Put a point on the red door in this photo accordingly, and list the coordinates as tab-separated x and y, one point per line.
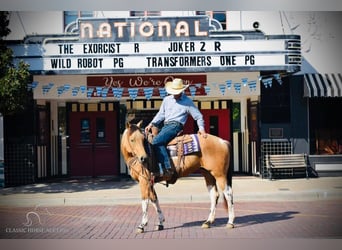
93	143
217	122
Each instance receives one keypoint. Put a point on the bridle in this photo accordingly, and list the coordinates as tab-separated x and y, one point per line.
135	159
131	164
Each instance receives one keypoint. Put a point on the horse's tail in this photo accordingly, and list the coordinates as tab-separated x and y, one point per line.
229	172
225	203
229	168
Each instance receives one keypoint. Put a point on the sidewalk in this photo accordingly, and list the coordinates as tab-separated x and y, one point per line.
112	191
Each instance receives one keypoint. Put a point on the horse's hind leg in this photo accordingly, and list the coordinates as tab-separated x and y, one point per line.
228	195
214	195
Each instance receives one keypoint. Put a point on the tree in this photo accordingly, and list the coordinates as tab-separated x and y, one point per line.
14	95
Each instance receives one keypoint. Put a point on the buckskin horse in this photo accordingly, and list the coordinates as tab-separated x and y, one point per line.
212	162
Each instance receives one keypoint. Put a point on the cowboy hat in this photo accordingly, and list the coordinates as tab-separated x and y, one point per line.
175	87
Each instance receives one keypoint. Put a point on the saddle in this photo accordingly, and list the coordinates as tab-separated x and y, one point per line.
183	145
180	146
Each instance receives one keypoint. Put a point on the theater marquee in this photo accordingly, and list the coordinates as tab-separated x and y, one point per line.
152	45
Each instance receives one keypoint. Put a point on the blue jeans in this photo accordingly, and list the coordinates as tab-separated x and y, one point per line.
165	135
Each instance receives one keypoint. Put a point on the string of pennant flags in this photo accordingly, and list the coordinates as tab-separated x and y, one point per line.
148	92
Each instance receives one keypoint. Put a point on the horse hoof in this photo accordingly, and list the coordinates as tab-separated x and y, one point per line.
206	224
230	226
140	230
160	227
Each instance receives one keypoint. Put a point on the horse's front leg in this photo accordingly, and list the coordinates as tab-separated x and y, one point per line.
145	189
144	220
161	217
155	203
148	193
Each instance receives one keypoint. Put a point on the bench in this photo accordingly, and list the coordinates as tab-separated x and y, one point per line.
286	164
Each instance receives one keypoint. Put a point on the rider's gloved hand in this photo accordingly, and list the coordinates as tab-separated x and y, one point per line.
203	133
148	128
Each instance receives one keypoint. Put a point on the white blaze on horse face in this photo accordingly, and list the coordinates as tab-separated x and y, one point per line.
136	140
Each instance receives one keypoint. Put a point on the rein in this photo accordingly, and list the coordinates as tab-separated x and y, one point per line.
134	160
131	166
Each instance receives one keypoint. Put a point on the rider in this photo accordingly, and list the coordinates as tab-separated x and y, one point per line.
172	115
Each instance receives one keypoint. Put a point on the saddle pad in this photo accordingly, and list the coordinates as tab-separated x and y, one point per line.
189	146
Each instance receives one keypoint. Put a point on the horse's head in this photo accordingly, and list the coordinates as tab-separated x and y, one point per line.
133	142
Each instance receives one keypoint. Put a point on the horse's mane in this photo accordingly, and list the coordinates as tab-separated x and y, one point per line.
124	143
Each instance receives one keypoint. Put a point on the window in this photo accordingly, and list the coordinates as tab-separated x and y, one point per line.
325	126
275	103
236	117
100	129
62	124
220	16
85	130
43	124
213	125
71	16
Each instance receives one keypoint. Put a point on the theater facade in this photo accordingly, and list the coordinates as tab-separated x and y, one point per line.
87	83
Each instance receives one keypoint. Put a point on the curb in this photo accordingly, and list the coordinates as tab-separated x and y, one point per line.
188	190
110	201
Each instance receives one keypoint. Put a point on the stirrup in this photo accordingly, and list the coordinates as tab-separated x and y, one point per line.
157	174
168	172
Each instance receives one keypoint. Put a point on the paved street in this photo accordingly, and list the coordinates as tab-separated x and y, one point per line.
310	219
110	209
